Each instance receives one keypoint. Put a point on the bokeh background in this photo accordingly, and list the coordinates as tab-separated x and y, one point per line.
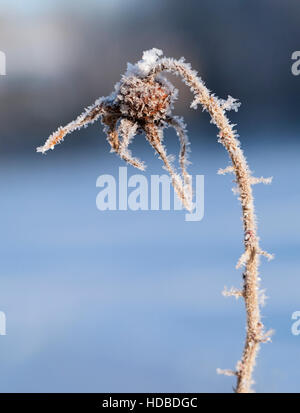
127	301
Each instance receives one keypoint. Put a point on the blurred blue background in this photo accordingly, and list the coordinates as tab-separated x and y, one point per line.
127	301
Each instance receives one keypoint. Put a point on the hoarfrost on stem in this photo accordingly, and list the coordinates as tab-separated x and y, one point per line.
142	102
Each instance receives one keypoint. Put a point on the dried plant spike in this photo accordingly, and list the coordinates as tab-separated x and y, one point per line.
142	102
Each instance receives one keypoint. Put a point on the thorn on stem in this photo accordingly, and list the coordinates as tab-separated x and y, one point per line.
266	254
228	169
233	292
266	337
226	372
261	180
243	259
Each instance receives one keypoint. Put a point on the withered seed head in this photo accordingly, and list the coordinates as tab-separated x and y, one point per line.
141	102
146	99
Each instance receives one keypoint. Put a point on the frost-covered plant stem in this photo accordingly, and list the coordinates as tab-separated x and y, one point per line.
142	102
250	258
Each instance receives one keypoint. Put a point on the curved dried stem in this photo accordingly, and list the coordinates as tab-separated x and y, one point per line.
89	116
228	138
154	136
127	130
179	126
